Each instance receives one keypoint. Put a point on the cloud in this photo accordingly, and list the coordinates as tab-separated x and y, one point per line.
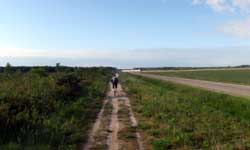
225	5
243	5
81	54
216	5
237	28
131	58
17	52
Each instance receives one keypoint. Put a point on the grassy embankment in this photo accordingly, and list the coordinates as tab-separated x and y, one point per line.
174	116
49	108
228	76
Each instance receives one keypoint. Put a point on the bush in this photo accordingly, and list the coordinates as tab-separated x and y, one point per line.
39	71
44	109
69	85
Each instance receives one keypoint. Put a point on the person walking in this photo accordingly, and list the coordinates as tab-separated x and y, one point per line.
115	82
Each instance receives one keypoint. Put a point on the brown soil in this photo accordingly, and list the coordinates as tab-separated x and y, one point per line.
116	126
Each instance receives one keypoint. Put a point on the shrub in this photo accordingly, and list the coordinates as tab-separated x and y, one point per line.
44	109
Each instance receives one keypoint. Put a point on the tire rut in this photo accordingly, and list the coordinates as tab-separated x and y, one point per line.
116	126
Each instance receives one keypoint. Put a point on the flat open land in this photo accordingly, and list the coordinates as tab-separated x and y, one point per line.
232	89
174	116
236	76
47	108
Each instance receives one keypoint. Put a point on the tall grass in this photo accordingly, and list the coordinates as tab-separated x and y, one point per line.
40	109
174	116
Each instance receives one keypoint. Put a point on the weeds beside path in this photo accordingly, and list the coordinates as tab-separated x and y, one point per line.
174	116
116	126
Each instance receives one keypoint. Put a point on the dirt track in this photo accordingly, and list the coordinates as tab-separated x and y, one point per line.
116	126
190	70
232	89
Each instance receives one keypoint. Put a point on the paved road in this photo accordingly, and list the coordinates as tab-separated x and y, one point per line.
232	89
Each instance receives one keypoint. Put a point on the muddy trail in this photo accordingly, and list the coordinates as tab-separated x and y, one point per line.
231	89
116	126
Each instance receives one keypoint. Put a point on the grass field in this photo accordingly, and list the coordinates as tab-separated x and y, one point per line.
173	116
49	108
228	76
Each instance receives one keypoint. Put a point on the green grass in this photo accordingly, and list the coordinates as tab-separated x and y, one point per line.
174	116
44	109
229	76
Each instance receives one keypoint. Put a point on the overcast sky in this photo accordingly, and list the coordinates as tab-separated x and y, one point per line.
125	33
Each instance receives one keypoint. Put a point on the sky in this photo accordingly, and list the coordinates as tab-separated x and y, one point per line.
125	33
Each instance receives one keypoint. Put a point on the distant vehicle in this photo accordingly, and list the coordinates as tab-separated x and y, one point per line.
131	70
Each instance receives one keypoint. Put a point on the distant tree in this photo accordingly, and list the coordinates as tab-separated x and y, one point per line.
8	64
7	68
58	65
